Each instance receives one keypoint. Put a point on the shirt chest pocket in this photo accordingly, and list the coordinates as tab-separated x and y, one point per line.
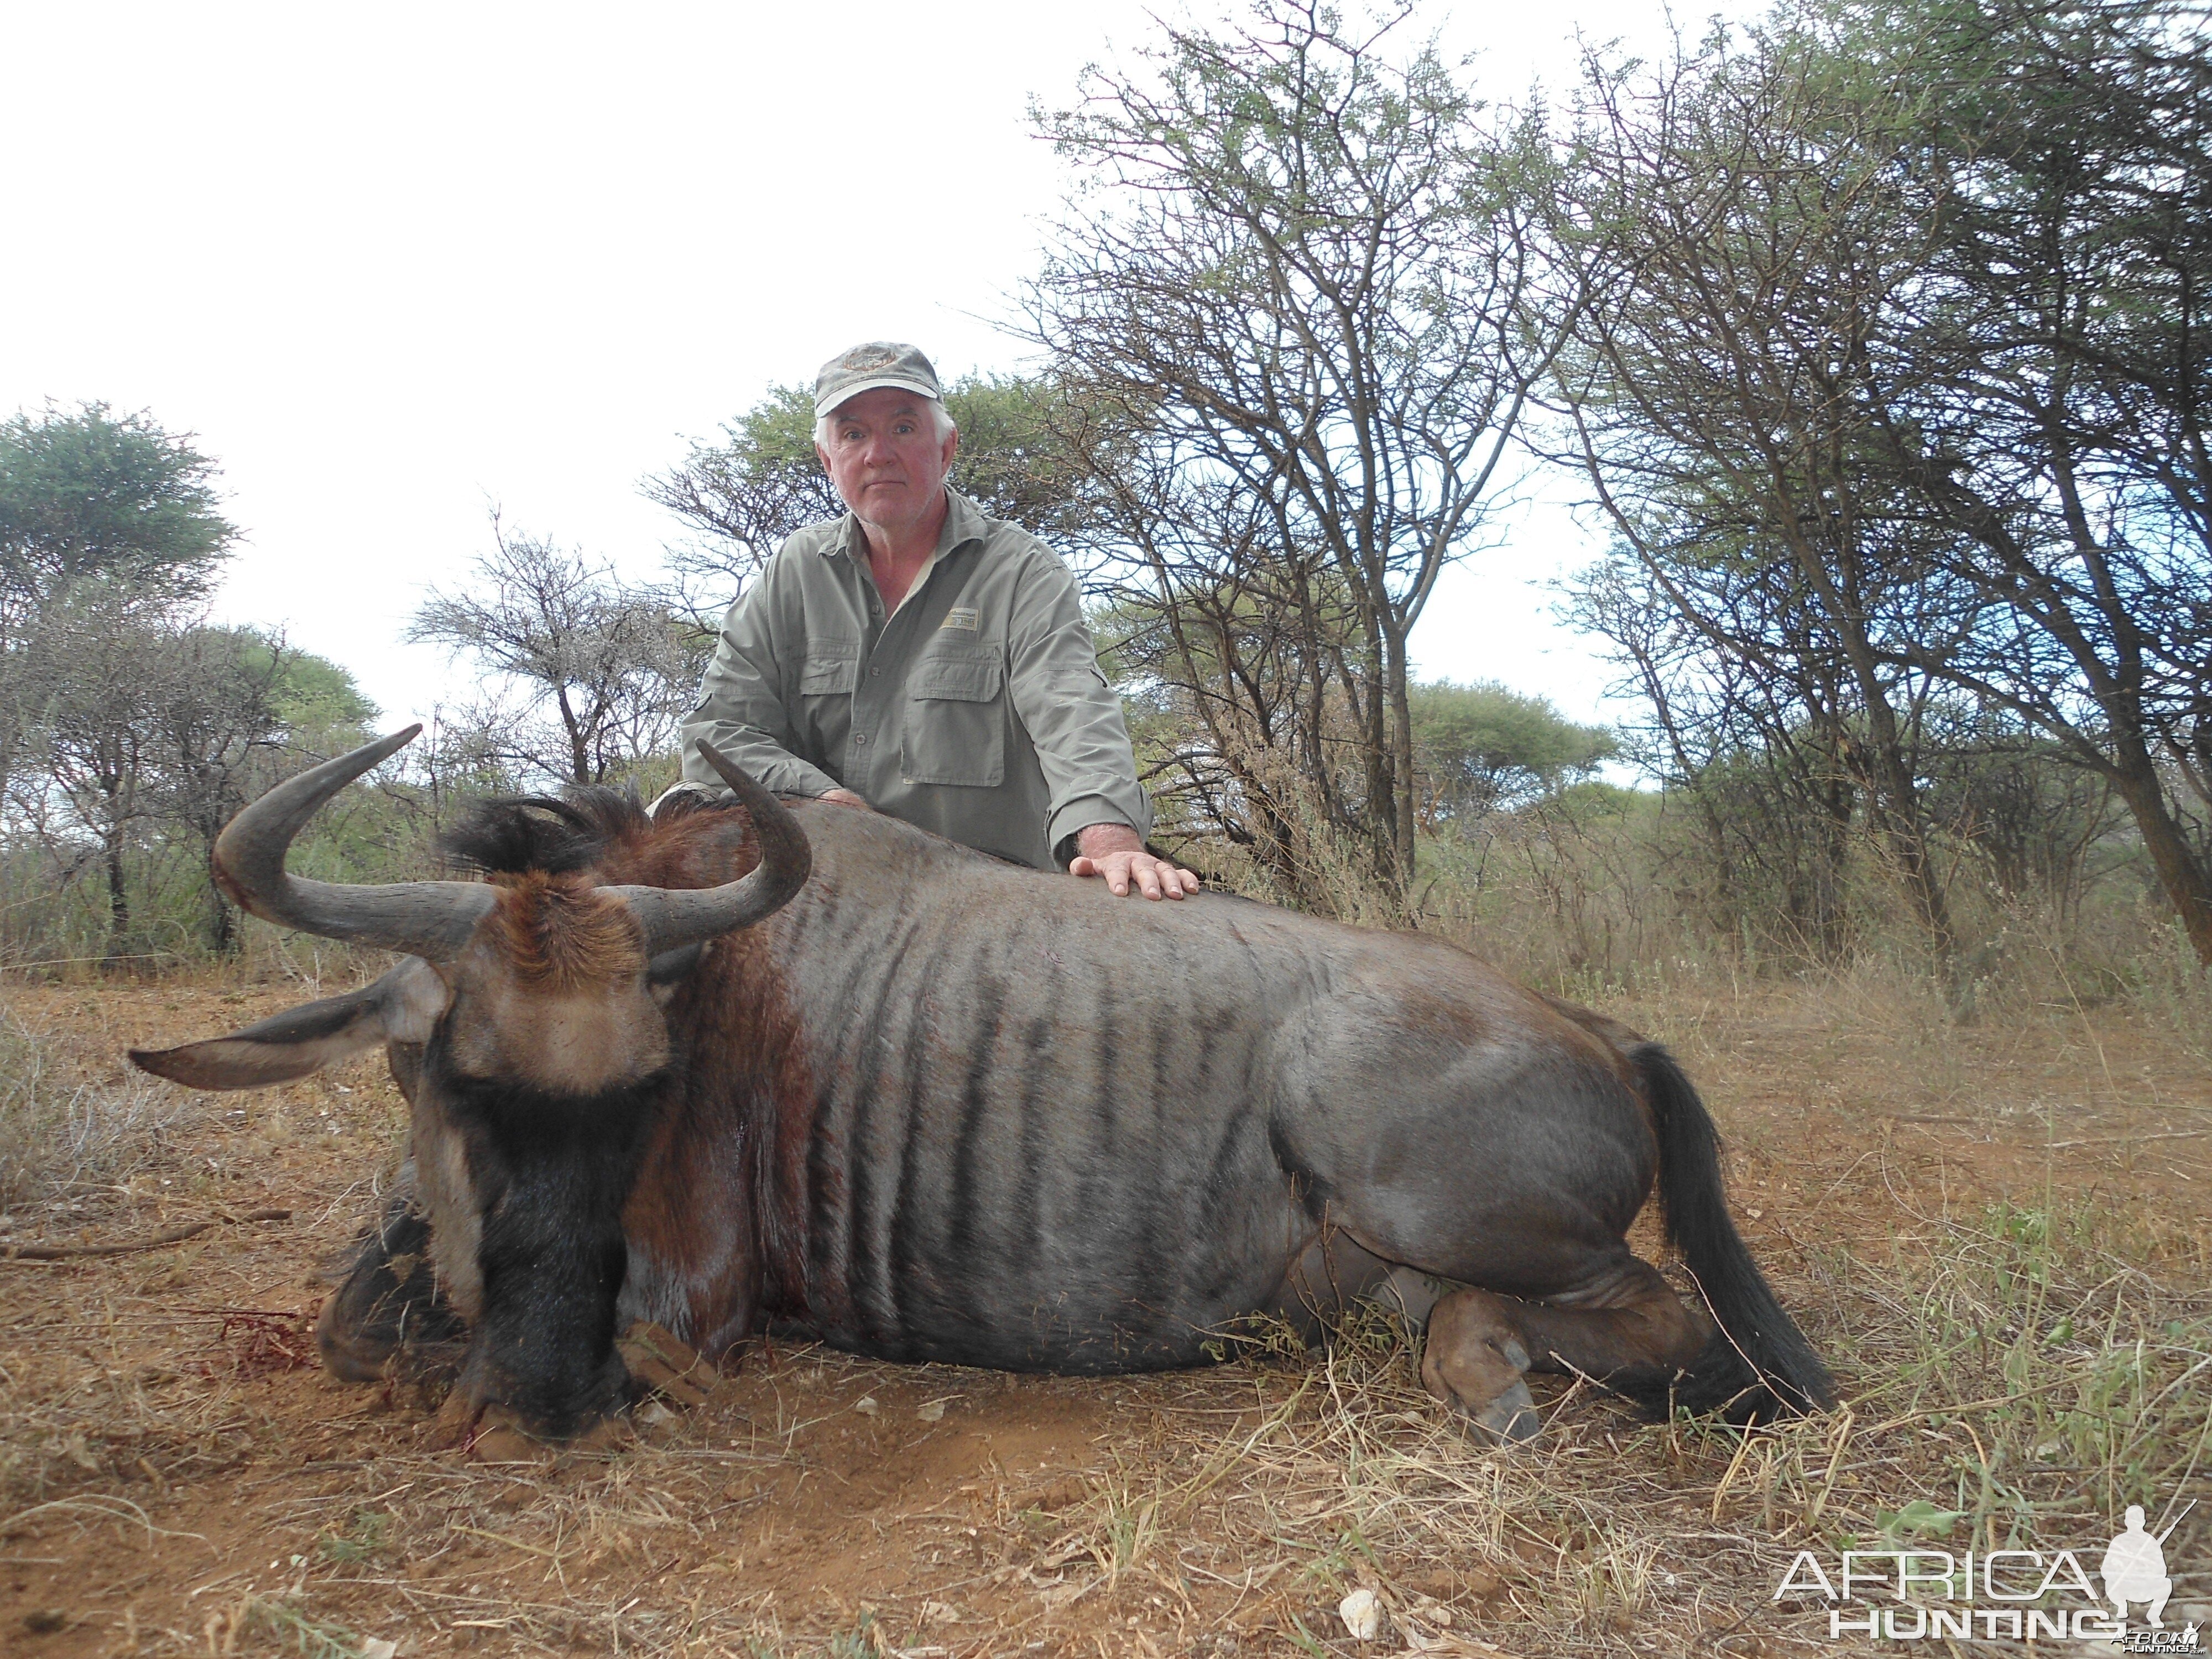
956	723
832	667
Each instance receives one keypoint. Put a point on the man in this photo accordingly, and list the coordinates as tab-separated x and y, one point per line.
921	659
2134	1569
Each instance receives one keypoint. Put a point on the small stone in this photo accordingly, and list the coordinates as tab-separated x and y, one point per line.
933	1412
45	1621
865	1405
1363	1615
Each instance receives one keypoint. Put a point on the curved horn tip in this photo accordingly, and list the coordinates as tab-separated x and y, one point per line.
390	744
715	758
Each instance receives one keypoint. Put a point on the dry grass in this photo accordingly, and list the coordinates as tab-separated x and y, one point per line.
63	1139
1995	1231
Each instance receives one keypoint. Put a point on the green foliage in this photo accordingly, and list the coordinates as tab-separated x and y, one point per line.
148	735
94	495
1480	747
1917	1519
311	693
367	1535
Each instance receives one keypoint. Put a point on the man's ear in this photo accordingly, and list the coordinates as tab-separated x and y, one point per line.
404	1006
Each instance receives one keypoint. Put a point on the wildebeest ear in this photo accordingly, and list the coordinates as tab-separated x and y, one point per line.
404	1006
671	968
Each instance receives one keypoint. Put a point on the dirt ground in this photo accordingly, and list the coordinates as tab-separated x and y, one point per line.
180	1478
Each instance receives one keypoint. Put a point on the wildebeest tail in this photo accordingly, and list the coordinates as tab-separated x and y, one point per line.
1758	1362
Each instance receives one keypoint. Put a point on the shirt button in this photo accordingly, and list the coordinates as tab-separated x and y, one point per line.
873	672
859	740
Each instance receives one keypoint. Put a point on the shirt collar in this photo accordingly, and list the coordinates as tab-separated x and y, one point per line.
963	523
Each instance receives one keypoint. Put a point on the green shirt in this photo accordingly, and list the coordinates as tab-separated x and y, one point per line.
977	710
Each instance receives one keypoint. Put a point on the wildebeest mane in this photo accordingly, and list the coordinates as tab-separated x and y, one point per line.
688	841
508	835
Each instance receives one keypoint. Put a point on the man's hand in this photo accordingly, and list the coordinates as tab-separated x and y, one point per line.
845	798
1117	853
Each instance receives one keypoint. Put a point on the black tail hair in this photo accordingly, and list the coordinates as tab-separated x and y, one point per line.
1758	1364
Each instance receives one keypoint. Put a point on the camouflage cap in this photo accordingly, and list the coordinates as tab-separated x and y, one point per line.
865	367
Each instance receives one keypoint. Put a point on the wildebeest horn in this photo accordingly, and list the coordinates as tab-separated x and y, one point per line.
432	920
673	917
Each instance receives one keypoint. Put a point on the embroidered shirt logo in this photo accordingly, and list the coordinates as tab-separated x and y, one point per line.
961	617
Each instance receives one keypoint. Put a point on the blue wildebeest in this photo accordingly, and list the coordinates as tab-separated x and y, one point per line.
933	1107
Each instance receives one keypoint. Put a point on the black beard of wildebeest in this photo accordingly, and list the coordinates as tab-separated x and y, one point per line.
748	1062
551	1173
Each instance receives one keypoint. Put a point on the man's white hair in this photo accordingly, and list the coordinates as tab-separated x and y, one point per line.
938	415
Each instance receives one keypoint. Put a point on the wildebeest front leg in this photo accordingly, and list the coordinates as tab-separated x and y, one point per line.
389	1299
1626	1327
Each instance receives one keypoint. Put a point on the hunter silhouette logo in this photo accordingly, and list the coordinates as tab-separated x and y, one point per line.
2134	1568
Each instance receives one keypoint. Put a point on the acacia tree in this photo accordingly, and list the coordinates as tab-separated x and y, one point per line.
591	674
1909	303
1739	215
109	540
222	710
99	512
1751	722
1482	749
2041	395
1283	312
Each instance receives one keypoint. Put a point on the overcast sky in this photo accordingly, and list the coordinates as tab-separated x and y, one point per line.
396	264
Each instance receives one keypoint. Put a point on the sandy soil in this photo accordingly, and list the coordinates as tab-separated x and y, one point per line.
181	1478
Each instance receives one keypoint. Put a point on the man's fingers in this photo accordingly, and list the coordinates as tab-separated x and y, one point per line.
1155	878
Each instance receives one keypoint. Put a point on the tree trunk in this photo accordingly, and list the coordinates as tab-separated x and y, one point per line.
119	902
223	936
2181	874
1895	802
1402	769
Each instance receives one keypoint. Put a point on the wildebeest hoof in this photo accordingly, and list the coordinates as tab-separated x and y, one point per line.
609	1434
661	1365
500	1437
1473	1360
1511	1419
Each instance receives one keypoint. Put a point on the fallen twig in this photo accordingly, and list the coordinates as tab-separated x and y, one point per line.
173	1236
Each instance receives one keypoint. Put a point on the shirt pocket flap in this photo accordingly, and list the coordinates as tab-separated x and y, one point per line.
829	670
957	679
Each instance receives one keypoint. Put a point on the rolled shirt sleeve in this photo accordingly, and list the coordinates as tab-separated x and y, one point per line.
742	708
1073	718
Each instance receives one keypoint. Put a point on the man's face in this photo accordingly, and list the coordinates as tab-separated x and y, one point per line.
885	457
